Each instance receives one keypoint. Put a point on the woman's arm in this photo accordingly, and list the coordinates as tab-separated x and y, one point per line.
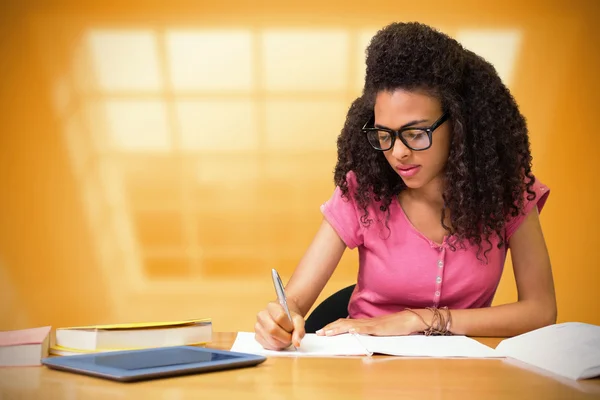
536	304
315	269
273	328
535	307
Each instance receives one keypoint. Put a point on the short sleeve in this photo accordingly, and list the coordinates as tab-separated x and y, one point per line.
343	215
541	195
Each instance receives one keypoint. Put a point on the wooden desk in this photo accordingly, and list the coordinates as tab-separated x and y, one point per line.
312	378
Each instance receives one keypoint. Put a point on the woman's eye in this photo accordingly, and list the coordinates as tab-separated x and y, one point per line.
384	136
411	135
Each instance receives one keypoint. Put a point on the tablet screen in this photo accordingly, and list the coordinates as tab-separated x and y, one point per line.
152	359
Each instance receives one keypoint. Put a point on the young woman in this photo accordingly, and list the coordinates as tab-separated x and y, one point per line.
434	184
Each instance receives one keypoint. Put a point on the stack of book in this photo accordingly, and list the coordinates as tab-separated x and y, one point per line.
27	347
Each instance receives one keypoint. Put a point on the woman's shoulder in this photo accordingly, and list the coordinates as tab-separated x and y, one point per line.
354	191
351	180
535	195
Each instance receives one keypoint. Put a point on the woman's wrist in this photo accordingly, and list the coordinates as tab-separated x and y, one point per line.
431	321
415	320
293	306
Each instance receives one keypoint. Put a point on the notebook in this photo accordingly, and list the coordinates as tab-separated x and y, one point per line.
131	336
570	349
25	347
360	345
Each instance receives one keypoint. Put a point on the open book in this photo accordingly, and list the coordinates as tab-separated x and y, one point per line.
361	345
570	349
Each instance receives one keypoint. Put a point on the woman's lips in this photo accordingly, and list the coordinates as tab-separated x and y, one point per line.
407	171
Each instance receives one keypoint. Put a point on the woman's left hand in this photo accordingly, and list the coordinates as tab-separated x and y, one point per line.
397	324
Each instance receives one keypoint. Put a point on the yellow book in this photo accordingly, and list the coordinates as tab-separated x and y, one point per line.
129	336
65	351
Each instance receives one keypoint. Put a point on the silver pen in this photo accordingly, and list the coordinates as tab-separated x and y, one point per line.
281	296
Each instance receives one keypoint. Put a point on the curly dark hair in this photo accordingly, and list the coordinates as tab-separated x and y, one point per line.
489	164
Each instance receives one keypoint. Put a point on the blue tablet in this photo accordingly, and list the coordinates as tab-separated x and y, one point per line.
135	365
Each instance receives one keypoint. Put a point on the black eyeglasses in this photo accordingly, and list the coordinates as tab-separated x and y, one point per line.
416	139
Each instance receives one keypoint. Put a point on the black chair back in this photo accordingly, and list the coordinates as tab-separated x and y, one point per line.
331	309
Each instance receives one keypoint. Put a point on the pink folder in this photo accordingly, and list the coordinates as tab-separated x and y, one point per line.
24	336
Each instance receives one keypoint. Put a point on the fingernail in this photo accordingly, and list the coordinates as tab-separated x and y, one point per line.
329	332
319	332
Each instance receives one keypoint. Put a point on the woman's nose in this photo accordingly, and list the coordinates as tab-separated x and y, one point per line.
399	150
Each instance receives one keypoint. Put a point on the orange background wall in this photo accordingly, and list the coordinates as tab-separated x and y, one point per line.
144	178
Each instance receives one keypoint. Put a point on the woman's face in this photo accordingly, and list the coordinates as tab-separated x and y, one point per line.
399	109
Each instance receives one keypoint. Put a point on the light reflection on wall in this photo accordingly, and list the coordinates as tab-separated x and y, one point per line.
186	142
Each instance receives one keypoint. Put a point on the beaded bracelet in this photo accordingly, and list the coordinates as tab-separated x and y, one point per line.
439	326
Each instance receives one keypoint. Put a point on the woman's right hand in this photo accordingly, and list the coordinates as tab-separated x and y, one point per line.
274	330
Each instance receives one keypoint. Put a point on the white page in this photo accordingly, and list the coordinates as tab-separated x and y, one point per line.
311	345
428	346
570	349
346	344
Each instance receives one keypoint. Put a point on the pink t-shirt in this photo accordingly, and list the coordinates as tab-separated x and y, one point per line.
401	268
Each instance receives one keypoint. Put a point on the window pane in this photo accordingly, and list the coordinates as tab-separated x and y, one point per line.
210	60
305	59
218	124
304	124
138	125
222	171
152	182
125	60
158	230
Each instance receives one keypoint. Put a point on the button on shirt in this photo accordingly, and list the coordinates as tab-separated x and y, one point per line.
401	268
